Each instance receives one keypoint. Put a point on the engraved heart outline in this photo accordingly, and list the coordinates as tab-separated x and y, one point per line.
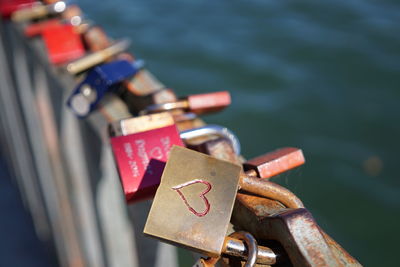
202	196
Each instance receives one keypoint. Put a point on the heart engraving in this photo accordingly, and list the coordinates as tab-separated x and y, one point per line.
202	196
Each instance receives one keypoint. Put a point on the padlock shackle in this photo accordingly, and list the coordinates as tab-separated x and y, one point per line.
189	103
265	188
236	247
180	104
212	129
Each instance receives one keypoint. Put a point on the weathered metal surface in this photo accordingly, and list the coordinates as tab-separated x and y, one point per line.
294	229
270	190
141	123
220	148
193	203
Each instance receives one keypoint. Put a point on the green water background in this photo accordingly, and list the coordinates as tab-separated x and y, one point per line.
319	75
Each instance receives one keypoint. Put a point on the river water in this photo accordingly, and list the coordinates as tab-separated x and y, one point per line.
319	75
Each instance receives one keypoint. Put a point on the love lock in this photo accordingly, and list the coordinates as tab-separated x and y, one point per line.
141	146
63	43
100	80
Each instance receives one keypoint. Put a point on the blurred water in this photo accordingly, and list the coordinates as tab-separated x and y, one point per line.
319	75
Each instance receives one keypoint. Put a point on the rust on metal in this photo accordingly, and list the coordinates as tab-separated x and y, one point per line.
220	148
295	229
270	190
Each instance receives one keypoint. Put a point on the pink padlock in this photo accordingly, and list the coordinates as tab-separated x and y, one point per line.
141	148
141	158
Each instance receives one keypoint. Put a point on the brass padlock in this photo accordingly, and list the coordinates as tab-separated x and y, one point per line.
195	198
201	190
90	60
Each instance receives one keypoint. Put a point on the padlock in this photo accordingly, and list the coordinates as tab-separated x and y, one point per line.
275	162
63	43
38	11
141	153
194	201
96	58
201	190
198	104
98	82
150	130
35	29
7	7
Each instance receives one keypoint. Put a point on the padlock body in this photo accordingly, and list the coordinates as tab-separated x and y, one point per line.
194	203
102	78
141	158
210	102
63	43
37	28
7	7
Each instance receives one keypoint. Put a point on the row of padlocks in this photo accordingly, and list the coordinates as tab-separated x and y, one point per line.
207	198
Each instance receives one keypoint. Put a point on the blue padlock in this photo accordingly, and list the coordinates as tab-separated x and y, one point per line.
100	80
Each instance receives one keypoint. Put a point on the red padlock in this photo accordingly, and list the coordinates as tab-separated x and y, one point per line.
7	7
141	158
35	29
63	43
